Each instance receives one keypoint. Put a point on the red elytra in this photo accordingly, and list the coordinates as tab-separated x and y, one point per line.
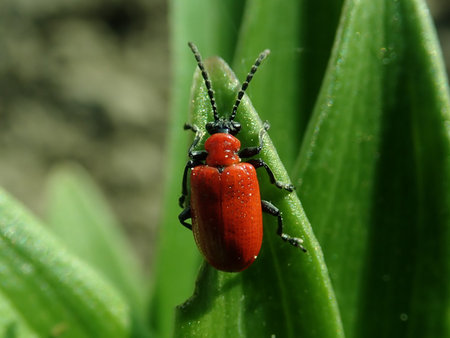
225	204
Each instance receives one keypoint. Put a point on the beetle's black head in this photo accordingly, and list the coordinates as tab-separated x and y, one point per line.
223	126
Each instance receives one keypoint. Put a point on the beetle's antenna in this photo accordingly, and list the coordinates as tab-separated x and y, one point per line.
252	72
206	78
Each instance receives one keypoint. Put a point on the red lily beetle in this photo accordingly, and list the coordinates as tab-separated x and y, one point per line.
225	203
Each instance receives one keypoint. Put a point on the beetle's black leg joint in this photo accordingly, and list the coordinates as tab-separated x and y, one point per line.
258	163
269	208
183	216
252	151
188	126
198	155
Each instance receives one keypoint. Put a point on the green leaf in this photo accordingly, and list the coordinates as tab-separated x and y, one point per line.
288	86
285	292
79	215
374	172
45	291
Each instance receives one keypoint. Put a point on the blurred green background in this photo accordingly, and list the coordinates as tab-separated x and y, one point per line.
87	81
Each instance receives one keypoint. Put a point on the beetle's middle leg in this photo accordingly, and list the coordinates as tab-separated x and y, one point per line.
269	208
258	163
183	216
184	190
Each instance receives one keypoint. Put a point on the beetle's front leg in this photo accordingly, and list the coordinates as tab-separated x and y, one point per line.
269	208
258	163
183	216
197	158
199	155
252	151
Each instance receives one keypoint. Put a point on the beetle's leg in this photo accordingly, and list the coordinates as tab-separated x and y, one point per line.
183	216
274	211
196	159
199	155
188	126
258	163
252	151
184	191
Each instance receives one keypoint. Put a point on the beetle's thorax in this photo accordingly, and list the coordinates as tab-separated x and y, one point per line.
222	150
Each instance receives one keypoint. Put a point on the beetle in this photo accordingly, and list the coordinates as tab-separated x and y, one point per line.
225	204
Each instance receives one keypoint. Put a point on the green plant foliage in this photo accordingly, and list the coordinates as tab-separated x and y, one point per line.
79	215
44	290
296	64
374	172
241	302
367	138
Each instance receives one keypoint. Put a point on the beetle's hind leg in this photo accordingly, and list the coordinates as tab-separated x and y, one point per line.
269	208
183	216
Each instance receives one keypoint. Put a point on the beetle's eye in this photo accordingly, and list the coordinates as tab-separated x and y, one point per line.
210	128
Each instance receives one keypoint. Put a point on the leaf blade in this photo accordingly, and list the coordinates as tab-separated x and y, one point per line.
47	286
79	215
300	43
365	179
